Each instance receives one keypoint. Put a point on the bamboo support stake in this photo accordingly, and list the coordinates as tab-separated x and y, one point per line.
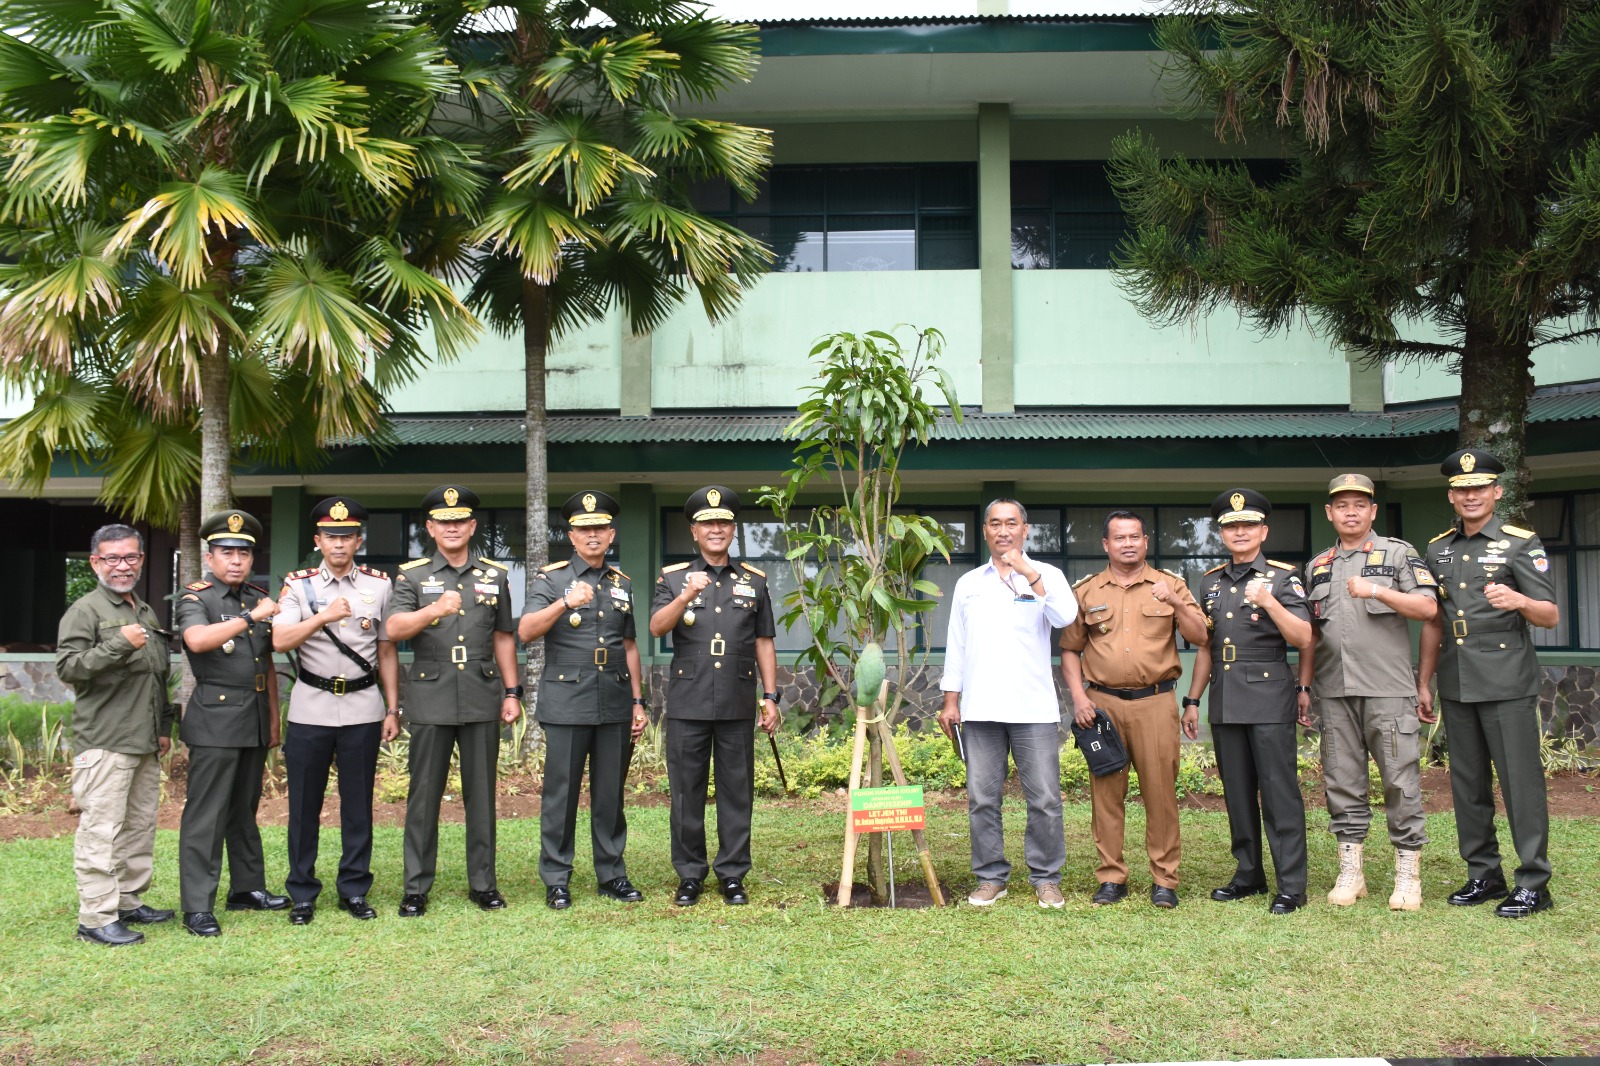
918	837
847	875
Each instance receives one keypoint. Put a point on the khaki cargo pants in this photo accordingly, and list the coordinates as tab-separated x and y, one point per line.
115	847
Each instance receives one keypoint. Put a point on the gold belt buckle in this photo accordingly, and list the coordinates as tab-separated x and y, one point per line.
1230	652
458	653
719	646
600	656
339	686
1459	627
261	682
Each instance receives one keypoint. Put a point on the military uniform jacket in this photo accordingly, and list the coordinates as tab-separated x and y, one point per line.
305	592
121	691
454	678
1488	654
230	707
586	679
1364	646
713	671
1251	683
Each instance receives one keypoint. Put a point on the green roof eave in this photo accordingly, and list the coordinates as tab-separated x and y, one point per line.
1002	35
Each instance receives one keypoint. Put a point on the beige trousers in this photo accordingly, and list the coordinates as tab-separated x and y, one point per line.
115	847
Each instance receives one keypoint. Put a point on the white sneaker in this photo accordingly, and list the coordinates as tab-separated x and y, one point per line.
986	893
1050	896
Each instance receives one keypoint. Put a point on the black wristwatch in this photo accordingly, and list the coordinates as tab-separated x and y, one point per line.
638	702
1190	701
1303	688
514	693
773	696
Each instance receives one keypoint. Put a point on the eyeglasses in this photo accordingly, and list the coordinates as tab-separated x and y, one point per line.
114	561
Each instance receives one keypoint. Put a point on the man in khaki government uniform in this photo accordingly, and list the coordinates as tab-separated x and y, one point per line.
1495	582
720	617
113	653
1362	591
456	612
590	705
230	723
344	704
1122	647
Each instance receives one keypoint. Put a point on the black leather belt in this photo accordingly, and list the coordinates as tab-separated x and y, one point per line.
1229	653
339	686
717	649
602	657
1135	693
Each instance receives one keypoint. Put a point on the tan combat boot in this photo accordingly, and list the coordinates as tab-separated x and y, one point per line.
1407	881
1352	882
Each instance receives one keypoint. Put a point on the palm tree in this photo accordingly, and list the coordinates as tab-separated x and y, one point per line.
574	107
199	190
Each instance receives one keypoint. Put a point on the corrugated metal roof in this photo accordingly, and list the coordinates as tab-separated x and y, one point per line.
1559	404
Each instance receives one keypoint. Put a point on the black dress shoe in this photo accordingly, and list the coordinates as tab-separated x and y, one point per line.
1524	902
1233	891
143	915
302	913
413	906
489	899
733	891
1163	897
621	888
1283	903
689	890
258	899
114	935
202	923
558	897
1478	890
357	907
1109	892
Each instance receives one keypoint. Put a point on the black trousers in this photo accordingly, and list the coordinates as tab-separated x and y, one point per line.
431	745
1259	761
308	753
606	748
224	792
691	746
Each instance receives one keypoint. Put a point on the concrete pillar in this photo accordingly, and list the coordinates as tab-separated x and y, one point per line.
291	535
638	530
636	373
1366	386
994	256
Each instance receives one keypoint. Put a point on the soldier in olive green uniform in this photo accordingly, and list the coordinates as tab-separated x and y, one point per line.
231	721
1255	608
589	699
456	612
720	617
113	653
1495	582
1362	591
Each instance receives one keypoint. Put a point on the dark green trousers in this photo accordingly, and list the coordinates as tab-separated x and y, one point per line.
220	808
691	746
1257	767
567	748
1504	735
431	745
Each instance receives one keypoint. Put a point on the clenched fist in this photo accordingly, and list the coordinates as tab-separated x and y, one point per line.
135	634
263	610
581	592
337	609
695	583
449	602
1162	592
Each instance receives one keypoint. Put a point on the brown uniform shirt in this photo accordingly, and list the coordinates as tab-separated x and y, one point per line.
1125	635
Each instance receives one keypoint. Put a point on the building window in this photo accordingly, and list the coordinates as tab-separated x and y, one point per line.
815	218
1569	526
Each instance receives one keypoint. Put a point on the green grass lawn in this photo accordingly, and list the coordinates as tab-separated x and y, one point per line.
790	980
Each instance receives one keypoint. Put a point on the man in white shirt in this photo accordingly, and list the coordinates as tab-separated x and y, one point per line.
998	686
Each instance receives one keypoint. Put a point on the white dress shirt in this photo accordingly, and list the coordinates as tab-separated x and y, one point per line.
997	652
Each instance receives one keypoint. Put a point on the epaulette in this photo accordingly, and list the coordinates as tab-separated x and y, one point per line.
674	568
198	586
1325	557
370	572
753	570
1518	531
415	563
258	588
547	567
491	562
618	571
1084	580
1282	566
296	575
1170	573
1441	536
1219	566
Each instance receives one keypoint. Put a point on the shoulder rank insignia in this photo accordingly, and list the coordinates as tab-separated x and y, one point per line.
491	562
258	588
618	571
1282	566
415	563
753	570
1441	536
1170	573
1214	569
1325	558
674	568
1517	531
370	572
198	586
298	575
547	567
1084	580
